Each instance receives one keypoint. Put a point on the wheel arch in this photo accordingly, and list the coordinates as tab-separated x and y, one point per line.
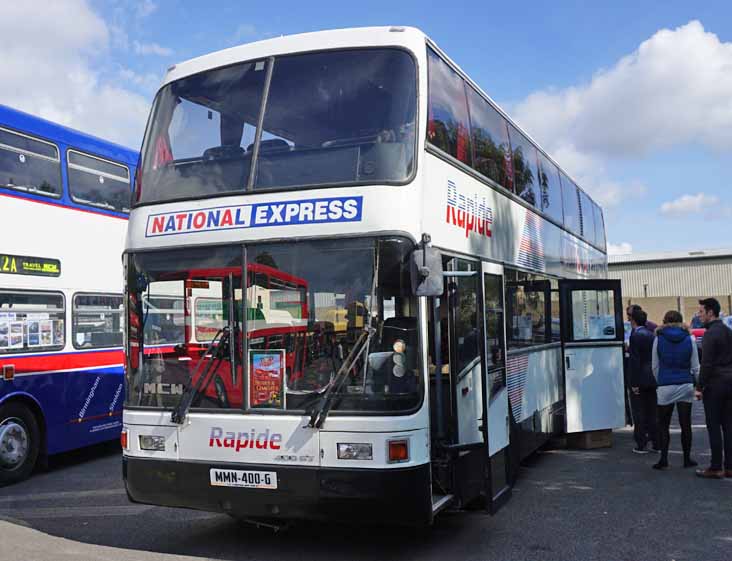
35	407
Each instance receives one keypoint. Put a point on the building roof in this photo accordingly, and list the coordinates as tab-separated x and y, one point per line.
668	256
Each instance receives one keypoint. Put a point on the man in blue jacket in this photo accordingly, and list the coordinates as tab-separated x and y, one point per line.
642	382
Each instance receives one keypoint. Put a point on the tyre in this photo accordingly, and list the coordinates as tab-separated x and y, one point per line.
20	439
221	396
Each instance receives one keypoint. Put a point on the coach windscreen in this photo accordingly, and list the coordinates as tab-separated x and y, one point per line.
328	118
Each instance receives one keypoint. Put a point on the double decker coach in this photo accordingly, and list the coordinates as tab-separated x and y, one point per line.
65	198
440	278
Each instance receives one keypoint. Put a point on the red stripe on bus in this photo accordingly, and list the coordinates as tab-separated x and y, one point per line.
95	417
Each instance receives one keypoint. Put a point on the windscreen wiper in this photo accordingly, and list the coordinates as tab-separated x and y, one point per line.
320	412
207	366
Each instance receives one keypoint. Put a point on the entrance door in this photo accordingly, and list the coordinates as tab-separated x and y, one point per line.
496	427
592	343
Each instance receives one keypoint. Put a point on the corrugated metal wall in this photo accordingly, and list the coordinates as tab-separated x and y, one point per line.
674	278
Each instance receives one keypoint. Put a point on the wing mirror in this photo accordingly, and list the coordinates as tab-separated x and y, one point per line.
426	270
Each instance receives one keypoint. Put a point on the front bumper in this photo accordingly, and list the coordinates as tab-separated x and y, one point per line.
396	496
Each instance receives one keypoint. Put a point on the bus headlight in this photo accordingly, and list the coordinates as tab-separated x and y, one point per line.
152	443
355	451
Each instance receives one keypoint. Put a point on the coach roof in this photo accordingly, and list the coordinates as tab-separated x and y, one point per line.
408	37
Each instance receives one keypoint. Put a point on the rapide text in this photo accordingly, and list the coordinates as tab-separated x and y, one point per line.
240	440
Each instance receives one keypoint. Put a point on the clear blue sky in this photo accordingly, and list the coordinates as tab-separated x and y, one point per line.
633	98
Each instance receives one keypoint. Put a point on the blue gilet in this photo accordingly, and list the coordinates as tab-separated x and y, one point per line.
674	357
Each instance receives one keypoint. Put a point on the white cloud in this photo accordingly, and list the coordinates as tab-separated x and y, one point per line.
673	90
148	82
700	203
145	8
50	54
622	248
151	49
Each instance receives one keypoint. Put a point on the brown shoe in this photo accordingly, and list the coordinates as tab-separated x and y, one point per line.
710	473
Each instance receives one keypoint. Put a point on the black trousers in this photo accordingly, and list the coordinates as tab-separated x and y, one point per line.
645	424
718	411
665	412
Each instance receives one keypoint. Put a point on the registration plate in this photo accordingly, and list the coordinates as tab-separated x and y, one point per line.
243	478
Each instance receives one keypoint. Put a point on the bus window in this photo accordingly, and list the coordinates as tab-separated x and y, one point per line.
29	165
339	117
31	321
97	321
163	320
208	317
588	218
199	140
550	189
525	173
570	203
527	316
448	127
599	227
463	300
308	308
99	183
491	149
331	118
182	300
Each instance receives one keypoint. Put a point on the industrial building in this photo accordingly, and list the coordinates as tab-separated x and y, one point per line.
674	280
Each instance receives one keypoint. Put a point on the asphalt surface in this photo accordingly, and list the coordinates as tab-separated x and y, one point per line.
605	504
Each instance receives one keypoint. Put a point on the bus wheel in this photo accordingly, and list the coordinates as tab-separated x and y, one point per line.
19	443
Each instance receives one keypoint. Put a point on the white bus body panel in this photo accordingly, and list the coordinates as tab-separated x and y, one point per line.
595	388
455	203
227	438
89	246
469	397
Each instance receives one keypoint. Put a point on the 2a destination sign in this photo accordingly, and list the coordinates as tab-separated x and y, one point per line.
27	265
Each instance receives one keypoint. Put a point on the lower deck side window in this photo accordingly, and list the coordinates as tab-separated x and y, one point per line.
97	321
532	310
31	321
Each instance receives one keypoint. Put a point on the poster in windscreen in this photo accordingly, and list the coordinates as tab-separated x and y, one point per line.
266	378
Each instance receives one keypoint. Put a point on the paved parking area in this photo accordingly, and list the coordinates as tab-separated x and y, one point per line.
569	504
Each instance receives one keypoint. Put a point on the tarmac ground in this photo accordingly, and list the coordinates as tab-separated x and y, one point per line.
605	504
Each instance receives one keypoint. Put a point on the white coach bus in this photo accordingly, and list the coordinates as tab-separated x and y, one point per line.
404	294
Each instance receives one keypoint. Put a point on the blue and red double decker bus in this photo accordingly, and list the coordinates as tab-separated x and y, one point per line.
65	199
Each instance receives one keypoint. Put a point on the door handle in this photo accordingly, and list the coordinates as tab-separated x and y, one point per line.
569	364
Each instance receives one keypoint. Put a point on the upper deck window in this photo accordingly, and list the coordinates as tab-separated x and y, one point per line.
570	198
29	164
98	183
491	149
448	126
599	228
525	172
330	118
588	218
550	189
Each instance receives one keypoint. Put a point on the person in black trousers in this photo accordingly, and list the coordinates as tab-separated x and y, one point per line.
715	385
642	383
676	367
